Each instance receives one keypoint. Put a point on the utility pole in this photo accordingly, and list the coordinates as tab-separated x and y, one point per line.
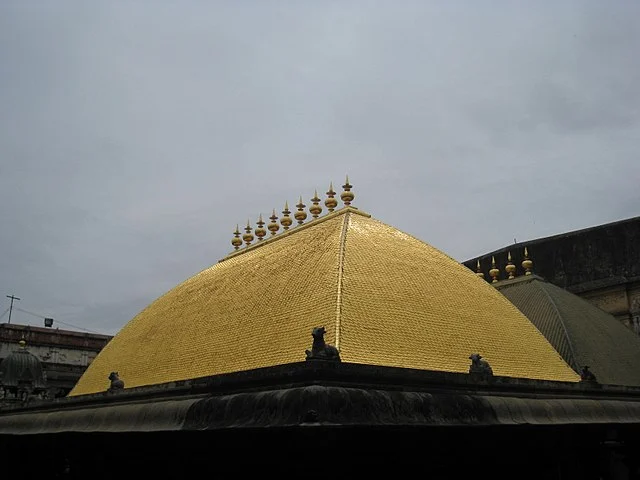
12	297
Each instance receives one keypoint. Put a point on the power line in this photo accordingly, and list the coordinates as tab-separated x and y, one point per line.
4	313
63	323
79	328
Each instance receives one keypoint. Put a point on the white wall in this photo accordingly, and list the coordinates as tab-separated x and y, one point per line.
52	354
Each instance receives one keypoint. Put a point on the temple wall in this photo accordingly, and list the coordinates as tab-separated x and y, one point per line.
50	354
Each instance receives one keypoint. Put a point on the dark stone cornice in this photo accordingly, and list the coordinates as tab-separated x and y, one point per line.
326	393
344	375
318	406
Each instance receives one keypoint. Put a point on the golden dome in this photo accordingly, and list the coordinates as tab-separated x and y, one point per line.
384	297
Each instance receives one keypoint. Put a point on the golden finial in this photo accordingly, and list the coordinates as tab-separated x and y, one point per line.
494	272
300	215
331	203
247	237
510	268
527	263
260	231
315	209
273	226
478	270
286	221
347	196
22	343
236	241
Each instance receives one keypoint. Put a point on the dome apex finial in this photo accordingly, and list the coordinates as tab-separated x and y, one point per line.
315	209
494	272
479	270
286	221
236	241
248	236
273	226
300	215
527	263
260	231
347	195
510	268
331	203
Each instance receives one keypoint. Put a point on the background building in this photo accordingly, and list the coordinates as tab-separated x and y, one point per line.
601	264
65	354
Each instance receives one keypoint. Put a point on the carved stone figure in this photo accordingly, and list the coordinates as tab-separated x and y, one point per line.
479	366
587	375
116	382
320	350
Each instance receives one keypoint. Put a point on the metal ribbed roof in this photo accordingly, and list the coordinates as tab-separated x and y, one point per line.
582	333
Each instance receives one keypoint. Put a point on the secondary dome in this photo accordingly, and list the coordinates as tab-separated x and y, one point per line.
581	332
22	369
384	297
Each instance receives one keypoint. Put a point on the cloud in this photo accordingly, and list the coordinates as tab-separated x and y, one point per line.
134	136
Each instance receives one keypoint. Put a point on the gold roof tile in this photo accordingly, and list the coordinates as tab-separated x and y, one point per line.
384	297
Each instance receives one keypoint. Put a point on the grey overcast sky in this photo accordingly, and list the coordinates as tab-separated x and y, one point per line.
135	135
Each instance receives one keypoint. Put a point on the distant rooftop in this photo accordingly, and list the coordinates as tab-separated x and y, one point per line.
579	260
13	333
583	334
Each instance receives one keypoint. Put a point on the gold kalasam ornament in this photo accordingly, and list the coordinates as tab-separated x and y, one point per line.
331	203
315	209
527	263
273	226
347	196
248	236
286	221
300	215
236	241
510	268
494	272
260	231
478	270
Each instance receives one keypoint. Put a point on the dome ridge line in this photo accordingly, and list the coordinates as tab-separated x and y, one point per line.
572	352
341	252
292	231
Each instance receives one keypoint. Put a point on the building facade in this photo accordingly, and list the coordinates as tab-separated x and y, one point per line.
65	354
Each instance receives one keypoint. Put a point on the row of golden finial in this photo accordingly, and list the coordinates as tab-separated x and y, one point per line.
300	215
510	268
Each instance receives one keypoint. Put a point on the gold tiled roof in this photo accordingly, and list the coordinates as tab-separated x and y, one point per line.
384	297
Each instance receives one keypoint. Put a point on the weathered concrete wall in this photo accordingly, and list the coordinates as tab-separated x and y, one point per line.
61	355
65	354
